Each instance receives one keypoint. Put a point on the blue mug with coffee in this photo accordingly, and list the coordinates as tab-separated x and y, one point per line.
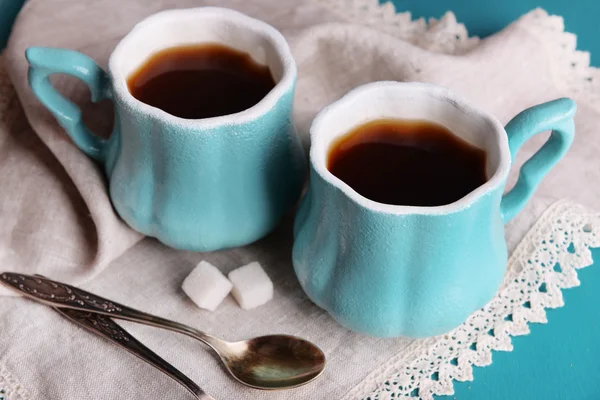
195	184
417	271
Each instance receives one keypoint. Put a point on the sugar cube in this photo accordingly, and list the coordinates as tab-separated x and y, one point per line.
251	286
206	286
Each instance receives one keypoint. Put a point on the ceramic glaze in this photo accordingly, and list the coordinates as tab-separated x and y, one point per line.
194	184
389	270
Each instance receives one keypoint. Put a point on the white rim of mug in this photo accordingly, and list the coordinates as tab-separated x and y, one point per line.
289	70
318	153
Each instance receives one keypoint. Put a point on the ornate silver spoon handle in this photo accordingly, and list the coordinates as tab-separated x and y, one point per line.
108	329
57	294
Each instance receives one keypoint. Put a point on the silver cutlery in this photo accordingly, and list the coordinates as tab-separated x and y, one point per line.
266	362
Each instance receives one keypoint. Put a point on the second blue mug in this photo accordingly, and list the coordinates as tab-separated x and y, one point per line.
389	270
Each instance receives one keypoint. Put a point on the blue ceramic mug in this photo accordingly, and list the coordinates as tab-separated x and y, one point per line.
389	270
194	184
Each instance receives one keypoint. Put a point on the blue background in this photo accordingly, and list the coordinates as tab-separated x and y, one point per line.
558	360
8	11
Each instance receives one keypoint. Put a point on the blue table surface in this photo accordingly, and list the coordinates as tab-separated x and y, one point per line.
558	360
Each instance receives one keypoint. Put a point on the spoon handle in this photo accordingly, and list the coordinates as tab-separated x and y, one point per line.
108	329
57	294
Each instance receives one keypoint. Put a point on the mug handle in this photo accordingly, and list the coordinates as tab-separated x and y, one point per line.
46	61
556	115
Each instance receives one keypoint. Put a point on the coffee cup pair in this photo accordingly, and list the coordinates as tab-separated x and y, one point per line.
214	183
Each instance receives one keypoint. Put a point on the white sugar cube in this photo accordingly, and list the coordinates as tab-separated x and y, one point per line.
206	286
251	286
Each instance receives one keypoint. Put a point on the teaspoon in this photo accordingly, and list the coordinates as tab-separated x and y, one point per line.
266	362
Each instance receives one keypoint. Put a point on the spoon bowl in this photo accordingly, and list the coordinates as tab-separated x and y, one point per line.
274	361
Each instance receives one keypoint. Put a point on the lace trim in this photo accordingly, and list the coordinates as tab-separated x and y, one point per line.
10	389
445	35
544	263
571	68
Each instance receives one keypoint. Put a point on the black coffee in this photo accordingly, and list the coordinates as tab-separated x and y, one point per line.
201	81
412	163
